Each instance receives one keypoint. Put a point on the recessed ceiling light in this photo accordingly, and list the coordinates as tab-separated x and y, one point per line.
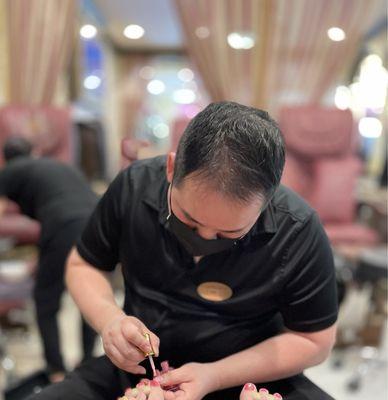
343	97
202	32
186	74
88	31
370	127
133	31
184	96
147	72
156	87
336	34
161	131
92	82
241	41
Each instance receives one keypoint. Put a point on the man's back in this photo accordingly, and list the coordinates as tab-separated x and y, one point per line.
46	190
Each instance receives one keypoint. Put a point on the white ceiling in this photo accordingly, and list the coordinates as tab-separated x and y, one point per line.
157	17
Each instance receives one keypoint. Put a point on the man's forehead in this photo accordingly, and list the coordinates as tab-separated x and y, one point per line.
212	209
205	191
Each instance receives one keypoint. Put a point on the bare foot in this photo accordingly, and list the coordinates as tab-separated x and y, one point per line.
145	389
249	392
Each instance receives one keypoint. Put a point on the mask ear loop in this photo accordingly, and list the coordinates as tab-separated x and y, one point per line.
169	203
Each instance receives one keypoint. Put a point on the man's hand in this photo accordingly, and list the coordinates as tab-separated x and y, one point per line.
125	344
195	381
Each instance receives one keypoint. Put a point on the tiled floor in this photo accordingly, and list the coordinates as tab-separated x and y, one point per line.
26	352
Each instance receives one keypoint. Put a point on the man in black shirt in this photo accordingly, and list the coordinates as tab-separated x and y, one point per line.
229	273
59	198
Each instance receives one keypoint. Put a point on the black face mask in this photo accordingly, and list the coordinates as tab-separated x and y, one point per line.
193	243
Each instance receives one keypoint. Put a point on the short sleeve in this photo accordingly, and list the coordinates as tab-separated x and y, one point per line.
309	300
99	243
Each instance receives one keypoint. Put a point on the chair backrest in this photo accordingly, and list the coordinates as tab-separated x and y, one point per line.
320	164
48	128
130	150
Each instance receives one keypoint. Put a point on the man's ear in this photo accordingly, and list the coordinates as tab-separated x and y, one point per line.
170	166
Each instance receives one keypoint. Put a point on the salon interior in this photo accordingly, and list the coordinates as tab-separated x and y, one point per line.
100	84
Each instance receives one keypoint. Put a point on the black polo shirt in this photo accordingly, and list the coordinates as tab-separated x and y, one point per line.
47	190
281	273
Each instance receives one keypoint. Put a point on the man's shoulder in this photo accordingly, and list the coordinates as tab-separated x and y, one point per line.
22	164
287	203
146	171
155	163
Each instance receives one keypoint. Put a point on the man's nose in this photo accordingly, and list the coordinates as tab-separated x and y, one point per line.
206	233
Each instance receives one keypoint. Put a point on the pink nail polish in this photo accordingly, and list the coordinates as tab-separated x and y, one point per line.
264	391
154	383
165	366
249	386
277	396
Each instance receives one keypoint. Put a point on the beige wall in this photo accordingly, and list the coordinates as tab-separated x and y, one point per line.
111	114
3	54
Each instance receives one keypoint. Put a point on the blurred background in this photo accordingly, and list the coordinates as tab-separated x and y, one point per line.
100	83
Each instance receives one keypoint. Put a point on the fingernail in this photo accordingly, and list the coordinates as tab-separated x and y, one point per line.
264	391
249	386
159	378
145	381
165	366
154	382
277	396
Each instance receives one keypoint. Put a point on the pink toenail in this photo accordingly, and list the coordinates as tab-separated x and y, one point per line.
249	386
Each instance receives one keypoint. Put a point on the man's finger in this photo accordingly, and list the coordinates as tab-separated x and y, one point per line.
114	354
168	395
155	342
136	337
128	350
174	377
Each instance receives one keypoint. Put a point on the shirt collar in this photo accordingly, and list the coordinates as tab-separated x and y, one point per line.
156	197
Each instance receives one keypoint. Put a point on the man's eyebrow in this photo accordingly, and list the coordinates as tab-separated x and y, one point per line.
188	216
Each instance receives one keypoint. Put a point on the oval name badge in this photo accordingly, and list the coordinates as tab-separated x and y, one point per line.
214	291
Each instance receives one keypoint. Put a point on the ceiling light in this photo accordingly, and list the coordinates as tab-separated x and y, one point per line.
336	34
186	75
161	131
184	96
133	32
153	120
370	127
147	72
88	31
92	82
202	32
241	41
373	83
156	87
342	97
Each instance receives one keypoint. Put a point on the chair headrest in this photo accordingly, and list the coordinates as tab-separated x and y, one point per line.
314	131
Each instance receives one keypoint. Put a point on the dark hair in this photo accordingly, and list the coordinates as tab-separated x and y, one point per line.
238	150
16	146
